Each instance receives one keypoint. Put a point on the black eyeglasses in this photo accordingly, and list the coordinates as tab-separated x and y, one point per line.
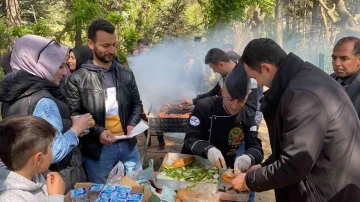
52	40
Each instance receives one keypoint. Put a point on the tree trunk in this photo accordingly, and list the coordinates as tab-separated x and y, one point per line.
315	22
67	28
326	27
139	22
346	17
357	8
13	18
257	20
279	27
78	39
287	24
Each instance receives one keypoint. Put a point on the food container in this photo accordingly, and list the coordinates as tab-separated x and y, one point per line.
86	129
129	167
176	184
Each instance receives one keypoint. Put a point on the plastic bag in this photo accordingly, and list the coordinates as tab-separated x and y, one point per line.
116	174
147	174
144	176
196	195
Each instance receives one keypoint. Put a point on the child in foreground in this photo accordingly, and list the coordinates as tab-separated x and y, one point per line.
25	152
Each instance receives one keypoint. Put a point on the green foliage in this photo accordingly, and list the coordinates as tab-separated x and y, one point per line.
226	11
18	31
173	19
41	28
115	17
83	11
130	37
3	34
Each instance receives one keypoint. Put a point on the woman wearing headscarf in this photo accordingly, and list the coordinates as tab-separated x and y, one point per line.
78	56
32	88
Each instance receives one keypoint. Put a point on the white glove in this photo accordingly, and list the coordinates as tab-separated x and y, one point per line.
216	158
242	163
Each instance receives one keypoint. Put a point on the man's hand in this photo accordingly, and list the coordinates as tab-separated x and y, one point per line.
216	158
188	102
239	182
55	185
106	138
242	163
252	168
129	129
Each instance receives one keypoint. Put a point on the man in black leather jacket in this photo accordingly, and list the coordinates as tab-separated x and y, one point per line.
108	90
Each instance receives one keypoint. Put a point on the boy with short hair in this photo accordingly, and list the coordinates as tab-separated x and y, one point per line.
25	151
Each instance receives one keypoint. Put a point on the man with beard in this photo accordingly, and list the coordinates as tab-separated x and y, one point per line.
106	89
313	130
346	65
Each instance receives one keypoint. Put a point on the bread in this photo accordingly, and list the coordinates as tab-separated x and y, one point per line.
183	162
227	176
181	193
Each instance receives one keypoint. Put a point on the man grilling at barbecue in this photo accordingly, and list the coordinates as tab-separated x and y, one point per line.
220	130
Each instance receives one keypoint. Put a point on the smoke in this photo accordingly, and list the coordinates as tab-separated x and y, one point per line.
160	76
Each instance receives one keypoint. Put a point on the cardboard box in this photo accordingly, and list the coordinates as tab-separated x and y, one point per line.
176	184
135	188
230	194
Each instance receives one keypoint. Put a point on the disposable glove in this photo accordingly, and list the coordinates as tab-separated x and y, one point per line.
216	158
242	163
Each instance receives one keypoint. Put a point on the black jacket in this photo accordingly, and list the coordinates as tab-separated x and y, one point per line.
353	90
314	135
85	94
215	128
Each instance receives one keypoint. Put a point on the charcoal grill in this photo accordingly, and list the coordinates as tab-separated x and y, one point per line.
172	119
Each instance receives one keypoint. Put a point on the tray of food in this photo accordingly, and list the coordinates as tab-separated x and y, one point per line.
187	171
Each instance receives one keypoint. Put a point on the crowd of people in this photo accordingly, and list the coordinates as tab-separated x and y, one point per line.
63	108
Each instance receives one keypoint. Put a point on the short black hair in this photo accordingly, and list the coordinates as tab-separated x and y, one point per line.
356	40
216	55
99	25
144	42
262	50
227	45
21	137
233	56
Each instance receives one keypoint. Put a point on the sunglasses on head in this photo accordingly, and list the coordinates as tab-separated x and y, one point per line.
52	40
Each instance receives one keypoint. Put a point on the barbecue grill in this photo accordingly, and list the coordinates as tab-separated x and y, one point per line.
172	118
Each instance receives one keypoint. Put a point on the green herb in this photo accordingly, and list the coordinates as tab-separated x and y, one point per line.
192	173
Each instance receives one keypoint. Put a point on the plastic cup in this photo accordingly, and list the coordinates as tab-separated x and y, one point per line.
86	129
129	167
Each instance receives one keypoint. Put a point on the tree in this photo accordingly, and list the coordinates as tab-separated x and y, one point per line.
13	18
347	21
279	21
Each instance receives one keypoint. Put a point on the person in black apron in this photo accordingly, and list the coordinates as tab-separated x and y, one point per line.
220	126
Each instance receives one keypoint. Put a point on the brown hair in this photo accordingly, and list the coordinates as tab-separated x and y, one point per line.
21	137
